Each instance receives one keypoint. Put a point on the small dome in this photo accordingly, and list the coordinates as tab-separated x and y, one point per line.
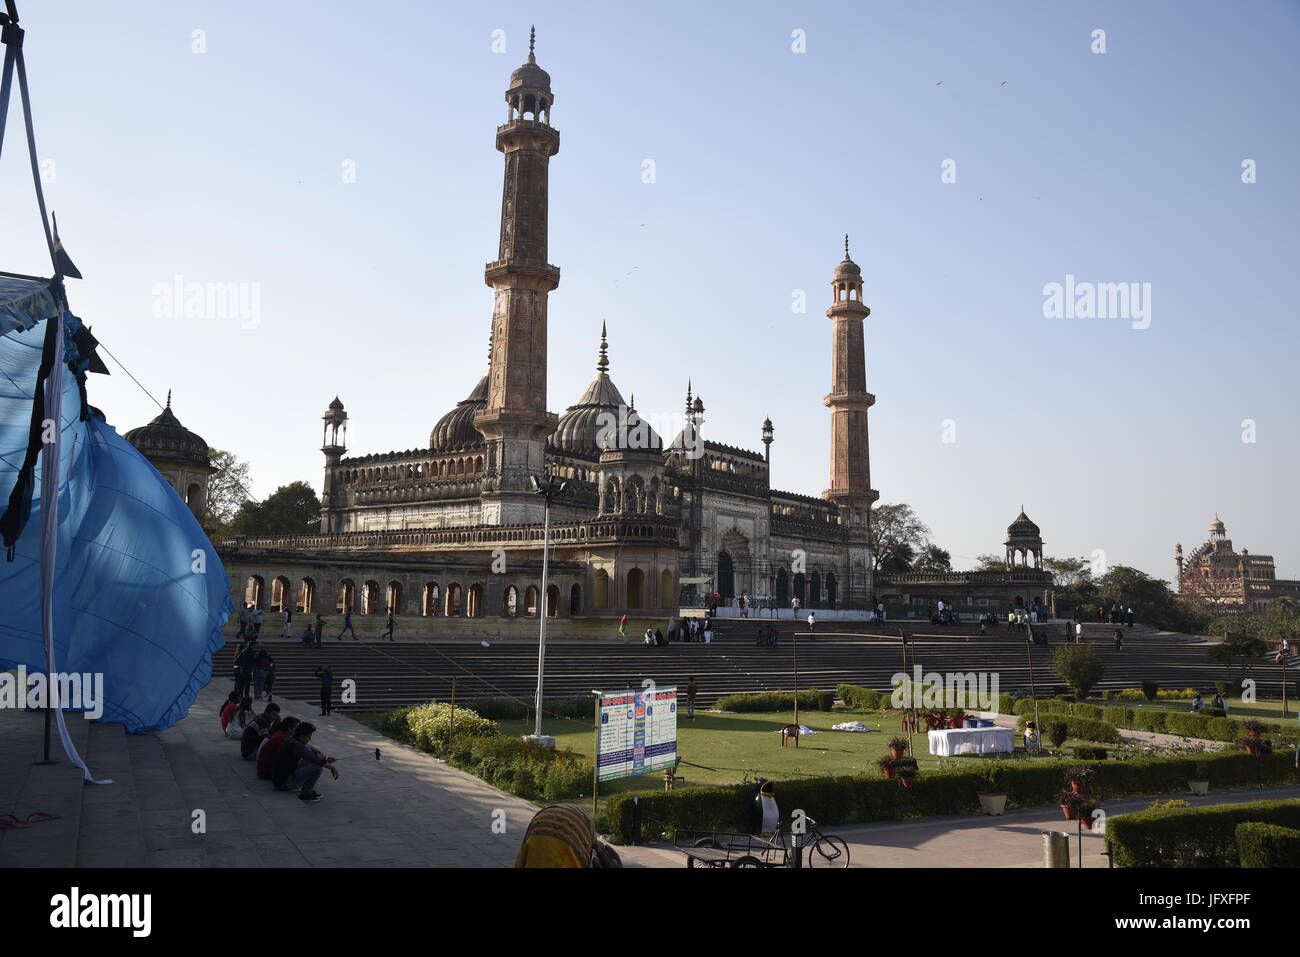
1217	527
530	76
336	405
1022	527
848	269
455	430
166	440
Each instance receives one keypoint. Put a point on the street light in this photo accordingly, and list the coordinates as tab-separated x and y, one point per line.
548	490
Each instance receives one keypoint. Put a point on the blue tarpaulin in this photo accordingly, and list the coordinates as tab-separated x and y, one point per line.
139	594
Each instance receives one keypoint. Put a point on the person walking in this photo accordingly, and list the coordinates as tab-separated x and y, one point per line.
245	619
319	630
326	688
1119	640
812	625
392	623
692	689
1129	617
261	666
347	625
268	684
257	622
622	625
1078	633
287	630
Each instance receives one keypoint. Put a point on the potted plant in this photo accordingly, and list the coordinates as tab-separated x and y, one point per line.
1080	778
993	802
906	772
1252	727
1200	784
1070	803
897	747
1086	810
888	765
1250	744
1263	748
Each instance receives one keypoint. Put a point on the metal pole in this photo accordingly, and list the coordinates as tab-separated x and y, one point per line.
541	624
794	640
595	760
1285	713
1038	728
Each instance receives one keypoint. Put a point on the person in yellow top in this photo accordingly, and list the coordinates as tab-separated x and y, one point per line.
564	836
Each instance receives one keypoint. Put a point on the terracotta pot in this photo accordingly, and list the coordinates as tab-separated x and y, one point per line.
1199	787
895	753
890	772
1086	822
907	780
1250	734
1076	787
1252	748
993	802
1069	812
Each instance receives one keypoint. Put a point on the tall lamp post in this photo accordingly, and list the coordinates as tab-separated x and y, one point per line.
548	489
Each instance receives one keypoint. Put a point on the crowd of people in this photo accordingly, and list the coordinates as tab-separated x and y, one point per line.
280	745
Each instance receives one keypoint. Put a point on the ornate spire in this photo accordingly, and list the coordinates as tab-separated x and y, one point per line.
169	398
492	331
602	364
532	38
846	246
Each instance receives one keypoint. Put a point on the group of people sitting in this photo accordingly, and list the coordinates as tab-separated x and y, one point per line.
691	629
281	746
766	636
1219	702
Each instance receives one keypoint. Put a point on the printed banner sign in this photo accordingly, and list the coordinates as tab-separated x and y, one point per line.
638	733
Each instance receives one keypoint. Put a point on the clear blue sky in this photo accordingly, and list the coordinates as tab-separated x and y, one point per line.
1120	167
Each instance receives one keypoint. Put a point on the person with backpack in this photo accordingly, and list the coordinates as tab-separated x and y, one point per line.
298	765
258	730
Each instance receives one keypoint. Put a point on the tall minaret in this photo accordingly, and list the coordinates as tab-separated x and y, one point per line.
849	401
515	422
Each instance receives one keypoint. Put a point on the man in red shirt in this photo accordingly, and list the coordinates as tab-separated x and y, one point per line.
266	756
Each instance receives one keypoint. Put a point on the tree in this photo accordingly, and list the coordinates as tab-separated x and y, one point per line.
897	535
1072	583
291	509
1239	649
1150	598
1280	621
933	560
227	489
990	563
1079	667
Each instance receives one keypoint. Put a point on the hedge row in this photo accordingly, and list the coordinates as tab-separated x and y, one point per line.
810	700
1267	845
864	798
515	709
474	744
1194	837
867	699
1191	725
1137	694
1084	729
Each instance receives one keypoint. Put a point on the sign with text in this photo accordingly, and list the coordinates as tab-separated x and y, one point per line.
638	733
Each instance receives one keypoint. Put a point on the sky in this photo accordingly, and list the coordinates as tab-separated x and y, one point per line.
337	162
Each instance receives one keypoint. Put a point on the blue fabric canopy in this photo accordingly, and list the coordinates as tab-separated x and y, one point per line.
139	594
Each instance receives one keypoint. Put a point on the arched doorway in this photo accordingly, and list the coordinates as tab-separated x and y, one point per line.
575	599
254	590
370	598
475	604
395	597
552	601
782	588
530	601
830	589
602	589
726	577
429	604
666	597
280	591
800	589
635	588
307	596
455	598
815	590
509	602
347	596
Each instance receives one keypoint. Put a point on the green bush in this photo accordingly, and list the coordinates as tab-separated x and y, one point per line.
1191	837
1056	731
1087	753
1091	711
1118	715
864	798
1150	689
1267	845
859	698
517	709
475	744
1004	704
1045	706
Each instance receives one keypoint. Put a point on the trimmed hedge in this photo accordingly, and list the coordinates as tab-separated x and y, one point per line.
513	709
810	700
1191	837
862	798
1085	729
1267	845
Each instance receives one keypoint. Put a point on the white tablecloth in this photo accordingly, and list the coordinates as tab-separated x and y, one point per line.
972	741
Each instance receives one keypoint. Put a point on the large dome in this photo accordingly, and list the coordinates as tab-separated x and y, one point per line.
579	428
166	440
455	430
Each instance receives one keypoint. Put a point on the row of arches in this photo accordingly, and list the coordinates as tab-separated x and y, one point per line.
634	590
444	468
807	588
435	600
635	496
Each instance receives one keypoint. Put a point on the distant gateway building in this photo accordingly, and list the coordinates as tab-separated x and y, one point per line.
1217	578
